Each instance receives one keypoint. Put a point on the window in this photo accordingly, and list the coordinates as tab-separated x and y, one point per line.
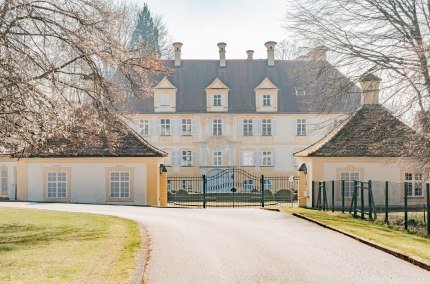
248	185
349	178
266	127
187	185
267	100
267	184
186	127
187	158
266	158
4	181
217	100
57	184
120	184
165	100
300	92
414	184
217	126
165	127
144	127
217	158
247	127
247	158
301	127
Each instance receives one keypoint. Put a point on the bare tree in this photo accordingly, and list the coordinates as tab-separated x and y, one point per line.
288	50
52	56
390	38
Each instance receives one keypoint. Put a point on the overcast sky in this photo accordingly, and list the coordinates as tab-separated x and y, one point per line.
242	24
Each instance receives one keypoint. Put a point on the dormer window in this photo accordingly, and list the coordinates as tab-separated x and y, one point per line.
300	92
217	96
165	96
267	100
217	100
266	96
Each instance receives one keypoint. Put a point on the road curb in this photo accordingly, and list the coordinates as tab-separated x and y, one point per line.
385	249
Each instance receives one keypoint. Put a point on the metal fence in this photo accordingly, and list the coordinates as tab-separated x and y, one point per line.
232	187
404	205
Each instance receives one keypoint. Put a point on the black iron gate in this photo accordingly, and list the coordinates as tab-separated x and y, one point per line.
232	187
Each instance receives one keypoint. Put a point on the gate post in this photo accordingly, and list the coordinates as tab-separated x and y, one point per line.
262	190
204	191
343	196
428	208
406	205
362	200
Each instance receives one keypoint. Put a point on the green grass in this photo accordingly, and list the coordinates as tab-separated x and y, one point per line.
408	243
38	246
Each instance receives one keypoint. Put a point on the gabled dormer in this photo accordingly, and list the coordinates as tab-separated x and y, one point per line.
165	96
266	96
217	96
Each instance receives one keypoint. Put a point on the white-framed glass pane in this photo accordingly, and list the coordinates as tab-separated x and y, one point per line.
187	158
266	127
267	100
217	100
217	158
186	127
120	184
266	157
165	99
247	127
144	127
165	127
57	184
349	178
301	127
4	180
217	125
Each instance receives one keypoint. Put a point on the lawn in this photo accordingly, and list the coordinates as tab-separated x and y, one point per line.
408	243
41	246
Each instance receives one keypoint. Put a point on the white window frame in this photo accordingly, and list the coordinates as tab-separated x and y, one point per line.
217	158
56	184
266	127
248	159
415	184
119	184
248	185
187	185
300	92
301	127
349	178
4	181
217	100
267	100
186	158
165	99
217	126
144	127
187	127
267	158
165	127
247	127
267	184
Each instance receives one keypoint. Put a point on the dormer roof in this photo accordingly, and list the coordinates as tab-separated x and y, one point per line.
267	85
165	84
217	84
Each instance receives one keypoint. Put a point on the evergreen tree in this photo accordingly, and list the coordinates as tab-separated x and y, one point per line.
146	35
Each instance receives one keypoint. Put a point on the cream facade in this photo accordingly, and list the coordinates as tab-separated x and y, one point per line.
110	180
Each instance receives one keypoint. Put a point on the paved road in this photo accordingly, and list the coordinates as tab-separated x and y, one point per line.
251	246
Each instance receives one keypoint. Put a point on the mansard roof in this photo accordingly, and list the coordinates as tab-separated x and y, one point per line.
111	137
372	131
242	77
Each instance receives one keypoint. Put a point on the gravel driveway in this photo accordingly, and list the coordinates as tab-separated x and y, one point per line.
251	246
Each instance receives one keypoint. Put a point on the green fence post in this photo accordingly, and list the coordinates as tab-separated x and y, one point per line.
313	194
386	203
262	190
355	197
406	205
369	193
324	196
343	196
428	208
332	196
362	200
204	191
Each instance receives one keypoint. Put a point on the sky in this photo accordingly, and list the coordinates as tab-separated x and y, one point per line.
242	24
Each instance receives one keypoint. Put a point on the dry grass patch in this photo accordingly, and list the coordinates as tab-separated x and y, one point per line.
38	246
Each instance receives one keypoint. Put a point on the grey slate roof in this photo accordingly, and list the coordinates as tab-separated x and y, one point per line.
114	139
372	131
242	77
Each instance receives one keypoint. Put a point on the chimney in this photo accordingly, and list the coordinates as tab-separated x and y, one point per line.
370	89
250	54
221	46
177	46
270	45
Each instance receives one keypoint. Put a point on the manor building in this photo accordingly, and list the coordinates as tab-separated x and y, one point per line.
246	113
